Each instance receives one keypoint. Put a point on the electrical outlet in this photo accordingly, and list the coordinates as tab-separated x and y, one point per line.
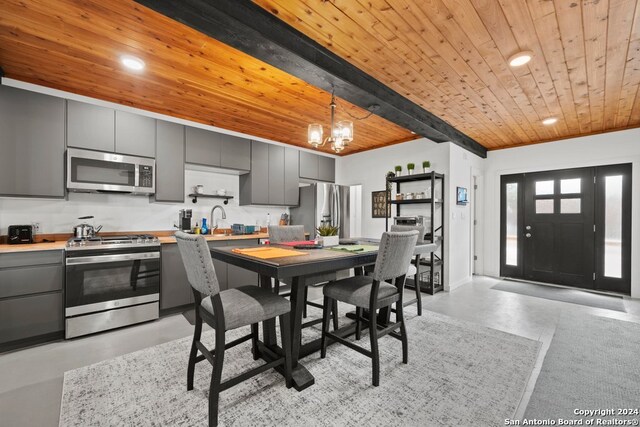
36	227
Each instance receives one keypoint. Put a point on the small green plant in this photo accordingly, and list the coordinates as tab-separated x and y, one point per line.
327	230
398	168
426	164
411	166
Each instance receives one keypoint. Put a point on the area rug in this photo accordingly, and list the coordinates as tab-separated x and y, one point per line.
458	374
572	296
592	363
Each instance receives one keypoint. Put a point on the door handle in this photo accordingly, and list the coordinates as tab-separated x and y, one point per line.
528	235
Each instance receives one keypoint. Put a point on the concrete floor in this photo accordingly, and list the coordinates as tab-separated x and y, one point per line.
31	379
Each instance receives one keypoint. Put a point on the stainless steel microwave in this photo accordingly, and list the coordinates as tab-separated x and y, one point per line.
99	172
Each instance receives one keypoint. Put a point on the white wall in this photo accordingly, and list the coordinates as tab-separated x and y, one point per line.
603	149
117	212
369	169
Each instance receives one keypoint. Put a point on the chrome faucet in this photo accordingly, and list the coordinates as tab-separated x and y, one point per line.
224	216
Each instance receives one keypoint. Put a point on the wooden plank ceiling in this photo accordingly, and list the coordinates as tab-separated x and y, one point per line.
75	46
451	58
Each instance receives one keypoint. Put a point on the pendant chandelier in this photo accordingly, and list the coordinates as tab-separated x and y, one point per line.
340	134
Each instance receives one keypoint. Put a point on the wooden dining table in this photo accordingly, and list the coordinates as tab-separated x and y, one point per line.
297	268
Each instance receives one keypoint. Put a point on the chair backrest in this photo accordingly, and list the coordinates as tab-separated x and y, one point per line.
197	261
421	229
394	255
286	233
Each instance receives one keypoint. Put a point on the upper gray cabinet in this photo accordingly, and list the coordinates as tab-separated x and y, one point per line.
254	186
274	176
90	126
236	153
31	144
316	167
291	180
135	134
169	162
203	147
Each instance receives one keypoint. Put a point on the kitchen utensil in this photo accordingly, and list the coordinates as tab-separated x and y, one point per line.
86	230
20	234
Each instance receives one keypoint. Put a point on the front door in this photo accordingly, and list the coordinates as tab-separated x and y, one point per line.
569	227
558	227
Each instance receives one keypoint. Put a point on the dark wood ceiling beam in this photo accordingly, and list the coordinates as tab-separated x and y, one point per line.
252	30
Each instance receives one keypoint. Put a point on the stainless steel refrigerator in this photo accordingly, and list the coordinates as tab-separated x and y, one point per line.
324	203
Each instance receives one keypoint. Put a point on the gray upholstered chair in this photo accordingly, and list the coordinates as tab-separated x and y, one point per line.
224	311
413	267
295	233
381	289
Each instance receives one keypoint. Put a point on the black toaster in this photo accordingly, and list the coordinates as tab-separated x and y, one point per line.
20	234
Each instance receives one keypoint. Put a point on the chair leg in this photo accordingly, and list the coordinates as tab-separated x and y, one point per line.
358	323
285	332
216	379
194	351
254	341
306	298
403	332
326	308
334	310
375	356
416	282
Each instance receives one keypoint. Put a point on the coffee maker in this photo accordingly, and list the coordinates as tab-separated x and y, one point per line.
184	219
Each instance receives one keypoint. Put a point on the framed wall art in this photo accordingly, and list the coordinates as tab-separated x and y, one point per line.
379	205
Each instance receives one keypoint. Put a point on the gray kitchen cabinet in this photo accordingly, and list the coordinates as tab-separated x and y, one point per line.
31	144
175	290
291	179
235	153
31	305
90	126
308	165
169	162
203	147
30	316
238	276
135	134
276	175
326	169
254	187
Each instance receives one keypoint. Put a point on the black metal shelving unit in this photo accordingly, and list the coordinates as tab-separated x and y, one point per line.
195	196
434	263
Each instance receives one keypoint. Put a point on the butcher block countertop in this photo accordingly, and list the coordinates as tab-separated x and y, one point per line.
164	237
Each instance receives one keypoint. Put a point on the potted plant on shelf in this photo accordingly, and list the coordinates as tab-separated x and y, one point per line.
398	170
410	168
328	235
425	166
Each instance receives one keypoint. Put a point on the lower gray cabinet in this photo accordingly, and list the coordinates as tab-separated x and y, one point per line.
169	162
31	144
31	305
175	290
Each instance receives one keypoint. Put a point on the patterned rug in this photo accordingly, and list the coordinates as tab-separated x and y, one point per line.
459	374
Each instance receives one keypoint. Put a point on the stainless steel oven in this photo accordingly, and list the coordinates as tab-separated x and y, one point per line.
100	172
109	285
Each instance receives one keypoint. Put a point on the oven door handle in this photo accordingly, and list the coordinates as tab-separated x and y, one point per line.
102	259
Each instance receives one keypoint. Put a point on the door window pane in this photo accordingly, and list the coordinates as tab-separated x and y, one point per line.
544	188
613	226
570	206
544	206
570	186
511	244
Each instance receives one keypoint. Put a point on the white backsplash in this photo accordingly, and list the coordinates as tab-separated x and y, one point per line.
116	212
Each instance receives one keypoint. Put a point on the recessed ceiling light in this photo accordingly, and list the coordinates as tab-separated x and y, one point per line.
520	58
132	63
549	121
